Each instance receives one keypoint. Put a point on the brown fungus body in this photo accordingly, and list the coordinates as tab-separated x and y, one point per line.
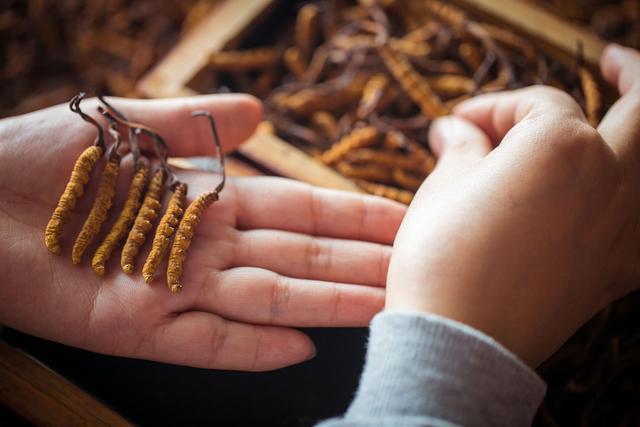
165	231
184	236
75	186
192	216
147	214
72	192
124	221
359	138
99	210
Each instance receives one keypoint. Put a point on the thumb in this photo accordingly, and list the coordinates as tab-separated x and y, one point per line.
457	143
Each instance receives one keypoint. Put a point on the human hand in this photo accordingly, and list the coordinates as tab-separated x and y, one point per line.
528	240
270	255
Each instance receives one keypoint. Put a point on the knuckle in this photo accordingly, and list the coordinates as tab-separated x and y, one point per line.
217	339
317	256
280	293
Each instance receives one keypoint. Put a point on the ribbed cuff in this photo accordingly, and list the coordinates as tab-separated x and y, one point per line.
429	366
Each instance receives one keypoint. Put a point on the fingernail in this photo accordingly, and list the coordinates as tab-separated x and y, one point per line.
447	128
313	352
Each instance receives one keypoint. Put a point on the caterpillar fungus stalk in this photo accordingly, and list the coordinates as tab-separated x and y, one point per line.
124	221
359	138
104	198
245	60
591	93
392	193
75	186
414	85
192	216
166	228
143	223
132	204
590	90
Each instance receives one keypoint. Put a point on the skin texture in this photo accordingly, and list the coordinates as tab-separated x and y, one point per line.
72	192
165	230
124	221
530	223
99	210
270	255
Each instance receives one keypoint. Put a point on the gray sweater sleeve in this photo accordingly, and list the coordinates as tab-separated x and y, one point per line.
425	370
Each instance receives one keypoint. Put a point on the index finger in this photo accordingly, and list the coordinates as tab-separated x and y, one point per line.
236	116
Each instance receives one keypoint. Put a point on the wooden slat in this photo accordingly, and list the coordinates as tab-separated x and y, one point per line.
220	28
553	33
44	398
233	166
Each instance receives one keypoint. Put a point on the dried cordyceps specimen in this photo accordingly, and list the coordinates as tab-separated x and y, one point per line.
132	204
325	123
102	202
124	221
372	94
366	172
406	180
592	102
306	29
389	192
292	58
413	83
75	187
451	84
143	223
165	230
235	61
192	216
391	160
359	138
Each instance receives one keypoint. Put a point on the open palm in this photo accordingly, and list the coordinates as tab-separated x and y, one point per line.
270	255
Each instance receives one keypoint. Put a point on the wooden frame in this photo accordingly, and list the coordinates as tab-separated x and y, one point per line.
44	398
229	21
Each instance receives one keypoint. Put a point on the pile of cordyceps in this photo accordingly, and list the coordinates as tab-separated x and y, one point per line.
614	20
142	206
49	49
357	85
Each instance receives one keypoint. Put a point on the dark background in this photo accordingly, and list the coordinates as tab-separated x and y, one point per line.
157	394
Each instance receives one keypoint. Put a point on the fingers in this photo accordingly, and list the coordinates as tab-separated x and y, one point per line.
457	143
236	116
205	340
255	295
282	204
620	126
306	257
621	67
536	109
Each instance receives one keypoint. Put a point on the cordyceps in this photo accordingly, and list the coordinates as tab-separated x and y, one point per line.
131	205
149	211
359	138
413	83
126	217
165	231
192	216
75	186
102	202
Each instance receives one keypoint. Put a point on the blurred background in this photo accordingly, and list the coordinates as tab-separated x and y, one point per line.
51	49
